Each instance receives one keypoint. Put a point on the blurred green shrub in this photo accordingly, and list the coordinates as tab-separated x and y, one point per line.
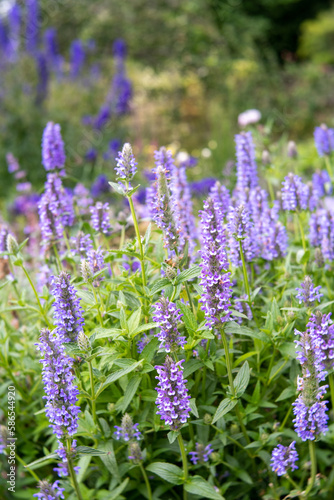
317	39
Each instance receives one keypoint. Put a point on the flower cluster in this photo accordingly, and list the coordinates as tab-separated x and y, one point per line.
68	314
308	293
215	279
100	217
322	232
50	221
53	152
295	194
167	316
202	453
246	164
135	452
324	139
173	398
81	244
48	491
220	196
128	431
284	458
126	165
96	263
241	231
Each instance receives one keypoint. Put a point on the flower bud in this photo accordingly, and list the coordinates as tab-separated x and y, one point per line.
292	149
83	342
207	419
12	245
171	273
266	159
111	407
86	271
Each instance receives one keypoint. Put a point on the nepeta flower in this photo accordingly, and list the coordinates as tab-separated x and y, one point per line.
82	199
324	139
61	393
126	165
135	453
63	198
3	239
81	244
12	162
96	262
68	314
50	221
49	491
246	164
215	279
295	194
322	183
241	229
100	218
53	152
321	331
77	57
32	26
168	316
243	307
128	430
173	397
308	293
220	196
284	458
201	454
322	232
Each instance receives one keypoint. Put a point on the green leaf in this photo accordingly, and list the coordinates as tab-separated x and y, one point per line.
147	237
193	407
188	274
144	328
41	461
191	366
168	472
242	379
109	459
172	435
101	333
86	296
134	320
198	486
188	317
225	406
286	393
149	350
83	464
119	189
118	374
159	285
130	391
115	495
233	328
87	450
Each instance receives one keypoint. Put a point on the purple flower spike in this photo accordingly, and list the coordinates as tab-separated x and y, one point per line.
202	453
168	316
322	232
96	262
135	453
324	139
308	293
173	397
81	244
126	165
310	417
295	194
49	491
220	196
50	221
128	430
100	218
284	458
246	164
68	314
53	153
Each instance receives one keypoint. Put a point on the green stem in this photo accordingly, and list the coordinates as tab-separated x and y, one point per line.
71	471
98	307
184	462
34	475
149	491
244	270
331	386
232	389
313	469
121	242
301	232
285	419
37	297
189	298
141	250
204	371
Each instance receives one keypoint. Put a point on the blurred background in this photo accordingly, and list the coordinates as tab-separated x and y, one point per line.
160	72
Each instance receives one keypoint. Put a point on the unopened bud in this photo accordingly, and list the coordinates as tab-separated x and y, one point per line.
111	407
207	419
234	429
12	245
266	159
171	273
292	149
83	342
319	258
86	271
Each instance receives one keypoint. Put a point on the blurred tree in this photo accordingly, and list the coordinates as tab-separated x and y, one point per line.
317	39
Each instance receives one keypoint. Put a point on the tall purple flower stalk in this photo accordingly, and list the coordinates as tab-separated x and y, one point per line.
241	229
295	194
100	217
173	397
61	392
96	263
324	140
63	198
68	314
246	164
308	293
220	196
322	232
81	244
215	280
126	166
168	316
14	19
32	26
77	58
43	77
53	152
50	221
284	458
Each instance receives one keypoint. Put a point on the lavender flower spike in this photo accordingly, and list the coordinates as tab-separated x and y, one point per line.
53	152
324	139
173	397
295	194
284	458
49	491
201	454
168	316
68	314
308	293
126	165
100	218
246	164
128	430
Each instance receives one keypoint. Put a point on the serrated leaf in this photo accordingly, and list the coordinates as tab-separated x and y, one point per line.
188	317
149	350
134	320
168	472
286	393
188	274
118	374
242	379
130	391
193	407
172	436
198	486
87	450
225	406
159	285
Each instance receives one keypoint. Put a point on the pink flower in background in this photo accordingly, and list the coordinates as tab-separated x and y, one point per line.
248	117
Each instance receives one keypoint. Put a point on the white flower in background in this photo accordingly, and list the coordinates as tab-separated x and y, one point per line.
248	117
